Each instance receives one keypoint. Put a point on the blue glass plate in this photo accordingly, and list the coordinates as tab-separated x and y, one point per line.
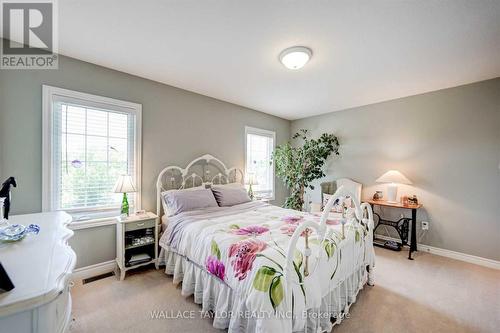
16	232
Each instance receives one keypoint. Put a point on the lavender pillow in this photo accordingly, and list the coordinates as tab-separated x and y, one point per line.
230	194
178	201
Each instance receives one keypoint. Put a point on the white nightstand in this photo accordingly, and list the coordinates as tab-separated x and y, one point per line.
136	237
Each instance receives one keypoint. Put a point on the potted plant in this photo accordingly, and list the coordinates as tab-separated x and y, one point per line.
298	166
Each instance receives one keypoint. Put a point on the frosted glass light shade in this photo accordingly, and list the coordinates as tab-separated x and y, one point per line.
295	57
393	176
124	184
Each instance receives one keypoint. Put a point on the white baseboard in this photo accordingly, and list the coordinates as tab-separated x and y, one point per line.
451	254
93	270
460	256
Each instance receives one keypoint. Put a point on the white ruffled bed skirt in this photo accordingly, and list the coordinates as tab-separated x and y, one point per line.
216	296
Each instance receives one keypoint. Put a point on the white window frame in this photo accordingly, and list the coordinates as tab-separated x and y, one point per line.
263	132
50	93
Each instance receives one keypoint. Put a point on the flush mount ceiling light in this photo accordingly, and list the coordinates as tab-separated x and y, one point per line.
295	57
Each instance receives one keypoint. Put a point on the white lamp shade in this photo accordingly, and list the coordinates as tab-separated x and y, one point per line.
124	184
393	176
250	179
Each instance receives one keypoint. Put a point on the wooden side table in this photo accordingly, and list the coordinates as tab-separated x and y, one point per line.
136	235
399	225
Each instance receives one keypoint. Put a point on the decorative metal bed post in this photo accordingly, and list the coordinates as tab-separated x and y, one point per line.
321	230
365	207
307	253
343	221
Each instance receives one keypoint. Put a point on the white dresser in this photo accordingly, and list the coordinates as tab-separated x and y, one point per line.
40	267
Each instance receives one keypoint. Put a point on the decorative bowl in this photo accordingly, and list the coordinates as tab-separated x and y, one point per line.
378	195
16	232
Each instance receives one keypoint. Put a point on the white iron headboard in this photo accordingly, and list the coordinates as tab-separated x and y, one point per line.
202	171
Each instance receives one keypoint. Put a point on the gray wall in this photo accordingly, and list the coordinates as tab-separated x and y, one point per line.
447	142
94	245
177	126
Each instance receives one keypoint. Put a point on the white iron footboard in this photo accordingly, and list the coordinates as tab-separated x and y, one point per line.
321	230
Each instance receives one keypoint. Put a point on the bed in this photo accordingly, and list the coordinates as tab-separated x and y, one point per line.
256	267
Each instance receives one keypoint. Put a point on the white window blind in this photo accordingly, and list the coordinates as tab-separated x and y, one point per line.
259	150
92	144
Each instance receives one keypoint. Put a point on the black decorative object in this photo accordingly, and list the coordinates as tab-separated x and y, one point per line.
5	282
5	193
402	227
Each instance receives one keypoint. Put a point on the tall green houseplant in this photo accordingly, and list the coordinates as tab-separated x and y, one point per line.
298	166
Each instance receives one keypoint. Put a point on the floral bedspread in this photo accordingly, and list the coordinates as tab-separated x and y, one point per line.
245	247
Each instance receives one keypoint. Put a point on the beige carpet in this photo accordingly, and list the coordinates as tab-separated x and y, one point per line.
429	294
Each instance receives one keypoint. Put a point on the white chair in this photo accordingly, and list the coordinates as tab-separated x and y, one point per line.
351	186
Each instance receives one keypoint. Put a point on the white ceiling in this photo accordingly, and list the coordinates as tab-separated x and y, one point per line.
363	51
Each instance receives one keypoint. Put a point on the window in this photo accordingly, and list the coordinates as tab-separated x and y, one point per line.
259	149
88	141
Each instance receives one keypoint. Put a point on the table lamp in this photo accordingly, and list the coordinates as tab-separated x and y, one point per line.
251	181
393	177
124	184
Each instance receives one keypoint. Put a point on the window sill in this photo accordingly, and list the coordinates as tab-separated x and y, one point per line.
264	197
93	223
